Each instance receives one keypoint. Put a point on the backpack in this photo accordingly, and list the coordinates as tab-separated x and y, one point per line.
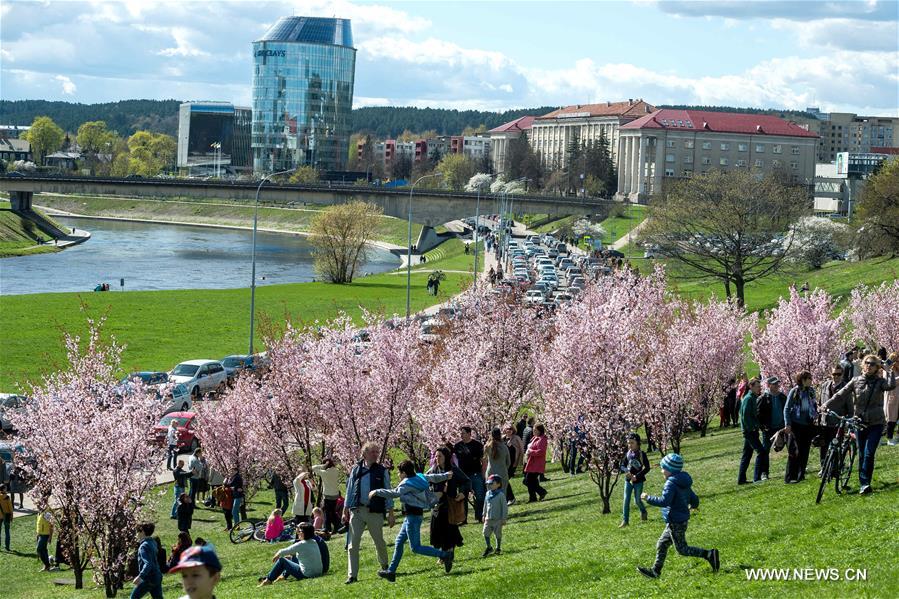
764	407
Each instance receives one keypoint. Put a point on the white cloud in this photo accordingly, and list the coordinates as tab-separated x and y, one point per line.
68	88
848	34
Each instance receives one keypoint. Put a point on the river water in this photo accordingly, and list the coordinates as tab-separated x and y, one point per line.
161	256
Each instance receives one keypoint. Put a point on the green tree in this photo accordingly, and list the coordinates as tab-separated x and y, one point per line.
729	226
95	138
522	161
149	154
305	174
45	137
878	211
340	236
456	169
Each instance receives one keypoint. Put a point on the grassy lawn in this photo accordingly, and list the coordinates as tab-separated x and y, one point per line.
161	328
450	255
564	547
19	236
295	218
618	226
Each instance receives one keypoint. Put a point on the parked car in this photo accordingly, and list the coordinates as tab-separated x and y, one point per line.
149	378
9	403
236	364
428	330
533	297
200	377
184	424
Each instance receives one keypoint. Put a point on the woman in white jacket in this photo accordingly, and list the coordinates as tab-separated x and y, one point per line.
330	491
302	498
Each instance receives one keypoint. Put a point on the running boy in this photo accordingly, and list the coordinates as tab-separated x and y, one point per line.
496	511
676	501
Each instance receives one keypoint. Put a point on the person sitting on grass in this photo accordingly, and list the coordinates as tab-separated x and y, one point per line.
184	543
274	526
676	501
496	511
308	562
413	492
200	570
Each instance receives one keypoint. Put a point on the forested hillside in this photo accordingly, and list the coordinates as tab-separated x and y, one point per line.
124	116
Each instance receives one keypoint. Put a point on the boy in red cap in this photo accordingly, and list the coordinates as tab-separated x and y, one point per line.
200	571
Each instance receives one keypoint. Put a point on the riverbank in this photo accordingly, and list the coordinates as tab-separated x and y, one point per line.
162	328
281	219
20	236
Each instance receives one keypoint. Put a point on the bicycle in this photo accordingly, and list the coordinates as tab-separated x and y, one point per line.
245	531
840	457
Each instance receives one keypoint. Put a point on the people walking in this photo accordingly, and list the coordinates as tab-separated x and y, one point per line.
365	512
330	477
676	501
196	467
414	494
470	454
450	511
303	498
863	397
828	425
516	458
149	577
635	466
181	477
749	425
771	419
891	402
44	526
6	513
799	416
171	438
498	458
535	464
496	512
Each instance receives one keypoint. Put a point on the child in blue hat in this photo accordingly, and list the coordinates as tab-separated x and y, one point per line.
676	501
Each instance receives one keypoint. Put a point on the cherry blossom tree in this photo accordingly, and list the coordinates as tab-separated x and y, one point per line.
92	462
803	333
590	373
874	313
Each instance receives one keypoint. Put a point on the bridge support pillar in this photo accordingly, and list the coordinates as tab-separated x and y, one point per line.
20	201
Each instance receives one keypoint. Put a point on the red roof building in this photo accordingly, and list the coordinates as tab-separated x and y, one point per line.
673	143
502	135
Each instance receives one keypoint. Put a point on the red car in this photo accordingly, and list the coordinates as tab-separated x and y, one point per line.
184	424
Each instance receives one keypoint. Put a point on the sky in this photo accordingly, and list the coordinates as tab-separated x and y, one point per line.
839	56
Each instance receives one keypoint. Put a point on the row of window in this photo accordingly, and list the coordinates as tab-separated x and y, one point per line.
669	172
741	147
759	163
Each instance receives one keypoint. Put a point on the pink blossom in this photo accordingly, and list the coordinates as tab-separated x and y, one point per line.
874	312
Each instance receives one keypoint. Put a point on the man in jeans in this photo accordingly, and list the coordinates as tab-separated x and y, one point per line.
181	477
364	512
470	453
171	438
749	424
771	420
149	577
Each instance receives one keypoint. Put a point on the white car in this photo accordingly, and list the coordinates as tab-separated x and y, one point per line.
9	403
533	296
200	377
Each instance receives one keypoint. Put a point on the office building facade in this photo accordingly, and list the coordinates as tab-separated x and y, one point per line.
304	69
502	136
214	138
673	143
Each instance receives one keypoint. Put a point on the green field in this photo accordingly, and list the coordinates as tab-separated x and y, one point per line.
564	546
161	328
296	218
19	236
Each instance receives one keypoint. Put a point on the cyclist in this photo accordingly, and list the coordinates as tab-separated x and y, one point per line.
863	397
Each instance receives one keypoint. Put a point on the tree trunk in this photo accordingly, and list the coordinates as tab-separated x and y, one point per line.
727	288
740	285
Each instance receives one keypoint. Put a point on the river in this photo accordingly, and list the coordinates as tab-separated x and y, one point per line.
160	256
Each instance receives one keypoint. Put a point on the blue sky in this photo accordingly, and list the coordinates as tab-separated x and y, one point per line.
841	56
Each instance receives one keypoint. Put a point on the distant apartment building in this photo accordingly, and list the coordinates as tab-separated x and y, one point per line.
673	143
13	131
849	132
475	147
552	133
502	136
214	135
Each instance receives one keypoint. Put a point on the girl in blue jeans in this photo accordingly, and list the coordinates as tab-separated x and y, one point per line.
635	466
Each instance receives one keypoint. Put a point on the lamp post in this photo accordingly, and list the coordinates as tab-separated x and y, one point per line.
409	250
253	275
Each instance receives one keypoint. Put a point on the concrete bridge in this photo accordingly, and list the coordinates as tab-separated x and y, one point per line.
430	207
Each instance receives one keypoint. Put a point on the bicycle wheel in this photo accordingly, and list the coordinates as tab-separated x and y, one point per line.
825	473
242	532
259	532
848	462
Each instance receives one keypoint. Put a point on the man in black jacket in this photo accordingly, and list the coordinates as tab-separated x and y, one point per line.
470	454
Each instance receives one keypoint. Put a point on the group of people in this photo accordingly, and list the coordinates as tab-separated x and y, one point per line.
864	388
196	560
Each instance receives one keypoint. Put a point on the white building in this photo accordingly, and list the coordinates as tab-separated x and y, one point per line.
500	138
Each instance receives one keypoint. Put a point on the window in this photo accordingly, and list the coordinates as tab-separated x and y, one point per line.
724	147
723	162
669	172
741	163
669	143
794	150
706	145
688	144
775	163
759	163
687	173
742	147
688	159
669	157
794	166
759	148
706	160
777	149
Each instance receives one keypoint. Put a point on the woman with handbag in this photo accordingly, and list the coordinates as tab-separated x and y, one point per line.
450	511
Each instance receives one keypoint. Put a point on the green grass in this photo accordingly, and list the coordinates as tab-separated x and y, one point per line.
564	547
555	225
161	328
618	226
228	213
19	236
450	255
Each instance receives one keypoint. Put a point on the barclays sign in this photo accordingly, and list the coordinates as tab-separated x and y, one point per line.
278	53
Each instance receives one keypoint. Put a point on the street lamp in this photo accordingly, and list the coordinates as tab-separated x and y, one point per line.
253	276
409	250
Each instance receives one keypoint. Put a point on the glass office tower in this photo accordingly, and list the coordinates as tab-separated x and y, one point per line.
303	94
